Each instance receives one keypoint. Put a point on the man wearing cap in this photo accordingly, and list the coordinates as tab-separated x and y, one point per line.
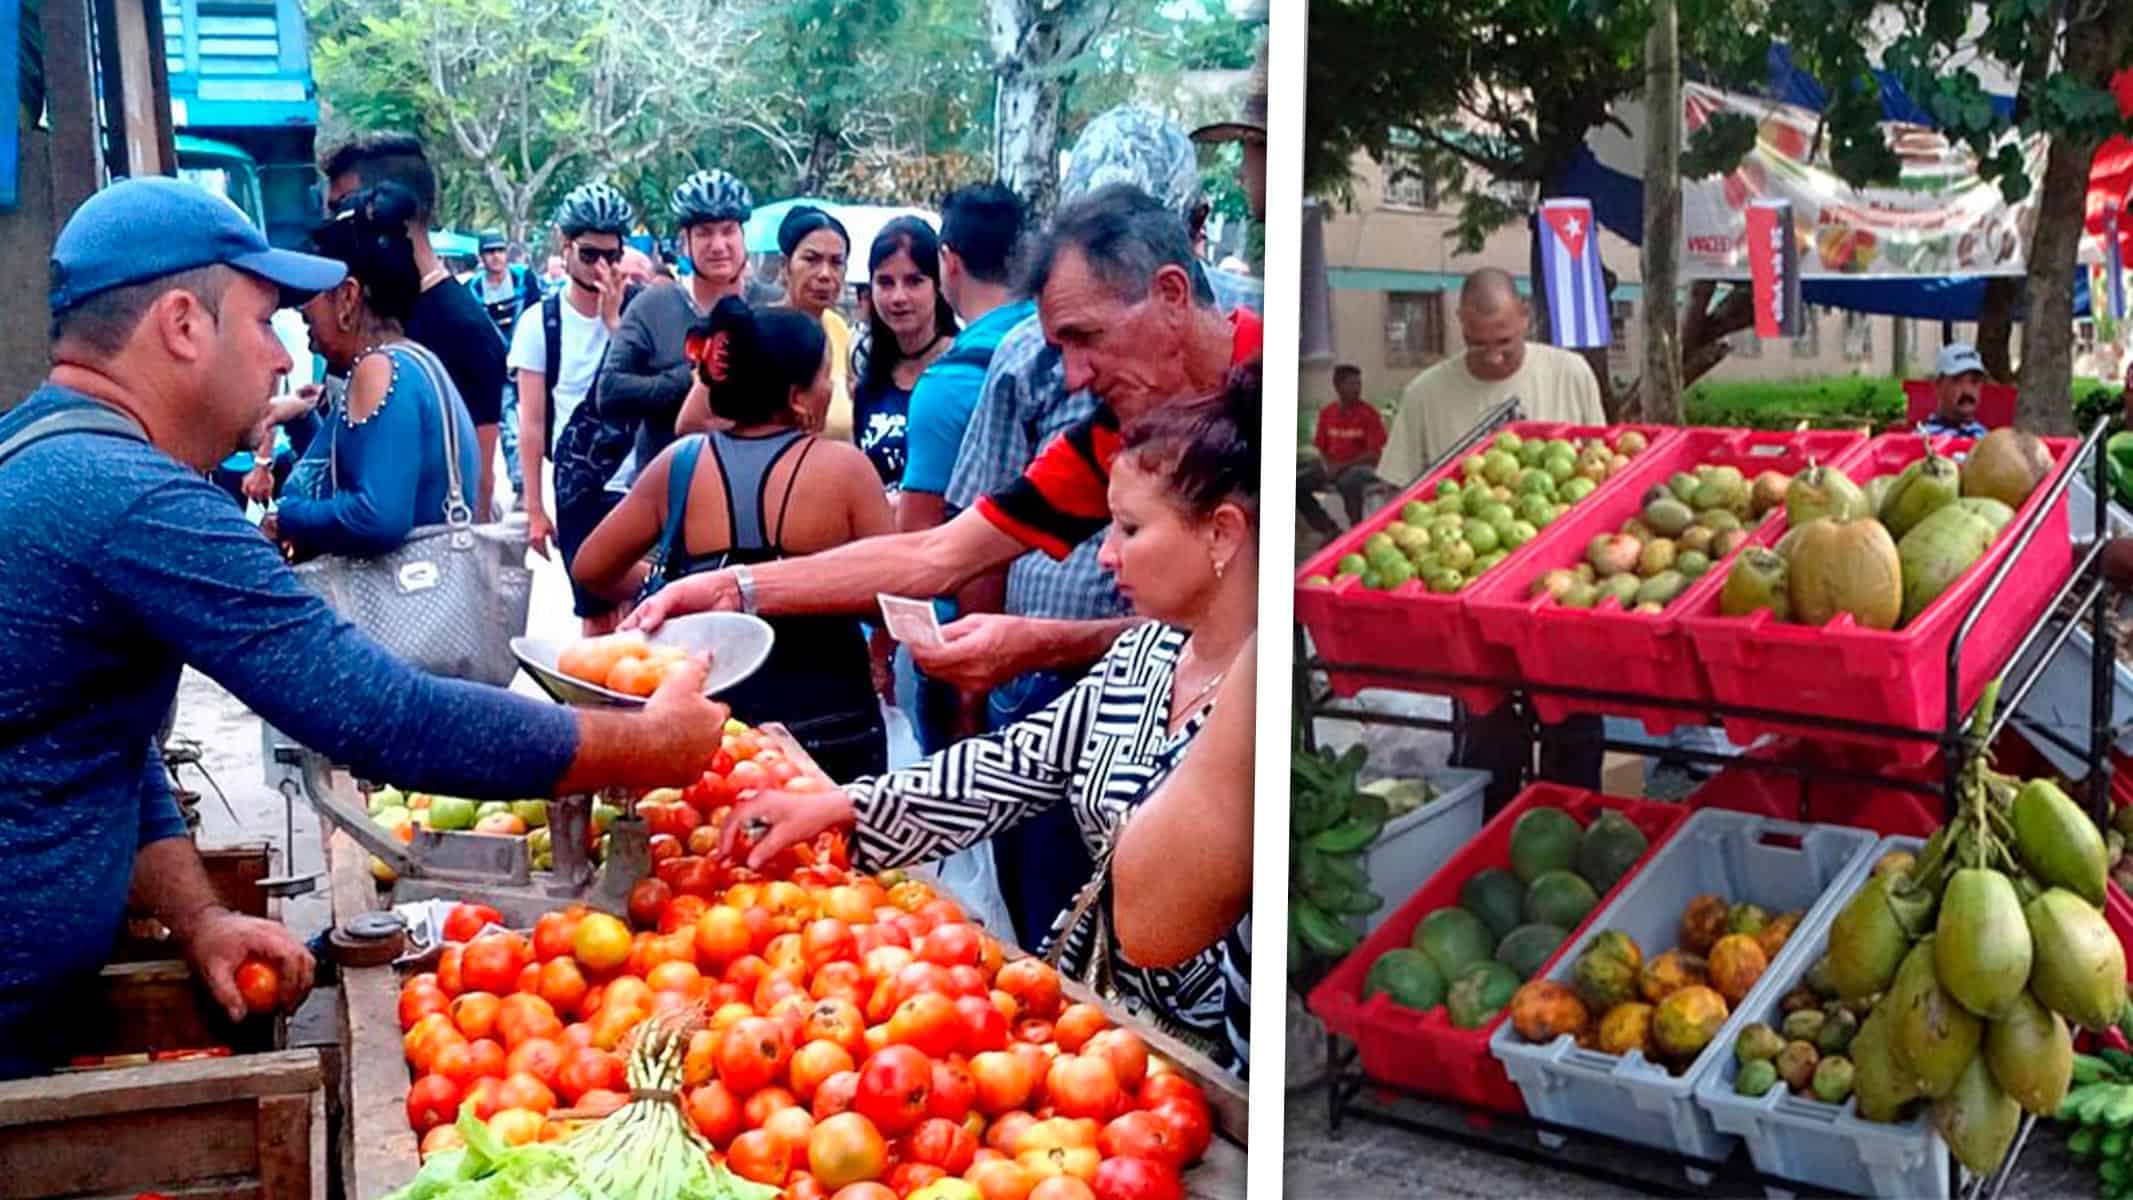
120	564
505	289
1958	381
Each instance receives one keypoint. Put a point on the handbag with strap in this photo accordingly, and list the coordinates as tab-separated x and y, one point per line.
680	474
1100	973
451	597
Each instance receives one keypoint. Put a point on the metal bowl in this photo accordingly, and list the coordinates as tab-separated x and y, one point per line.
739	644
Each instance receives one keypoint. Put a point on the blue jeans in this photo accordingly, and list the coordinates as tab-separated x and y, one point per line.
508	435
1041	862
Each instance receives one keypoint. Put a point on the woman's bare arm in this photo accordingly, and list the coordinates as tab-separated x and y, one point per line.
1182	874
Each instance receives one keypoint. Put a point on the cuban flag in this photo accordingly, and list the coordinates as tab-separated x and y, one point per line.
2113	266
1570	271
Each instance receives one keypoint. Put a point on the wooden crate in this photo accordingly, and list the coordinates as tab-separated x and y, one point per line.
378	1150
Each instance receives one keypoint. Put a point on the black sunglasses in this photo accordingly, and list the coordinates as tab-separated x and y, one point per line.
590	255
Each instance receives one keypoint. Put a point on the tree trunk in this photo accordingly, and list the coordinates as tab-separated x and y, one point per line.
1032	46
1995	326
1662	216
1704	330
821	160
2094	45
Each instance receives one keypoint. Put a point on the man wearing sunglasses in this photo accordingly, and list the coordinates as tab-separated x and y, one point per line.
556	355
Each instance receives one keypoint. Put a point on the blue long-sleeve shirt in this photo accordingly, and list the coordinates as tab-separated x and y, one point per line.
390	470
118	566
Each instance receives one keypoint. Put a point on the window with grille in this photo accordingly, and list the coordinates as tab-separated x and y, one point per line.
1414	328
1406	184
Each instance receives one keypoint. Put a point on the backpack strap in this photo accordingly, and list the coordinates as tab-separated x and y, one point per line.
94	418
552	343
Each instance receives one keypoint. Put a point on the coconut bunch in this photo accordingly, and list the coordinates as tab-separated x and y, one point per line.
1977	959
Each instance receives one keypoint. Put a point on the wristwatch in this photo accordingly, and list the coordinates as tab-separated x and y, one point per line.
744	580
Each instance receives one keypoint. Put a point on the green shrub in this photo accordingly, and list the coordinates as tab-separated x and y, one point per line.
1784	403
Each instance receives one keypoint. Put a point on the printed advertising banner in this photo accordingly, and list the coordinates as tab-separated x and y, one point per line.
1940	219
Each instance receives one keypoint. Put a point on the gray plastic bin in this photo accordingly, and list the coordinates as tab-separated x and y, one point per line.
1415	844
1780	865
1824	1145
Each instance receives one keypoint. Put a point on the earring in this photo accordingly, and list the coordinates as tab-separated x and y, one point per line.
1219	566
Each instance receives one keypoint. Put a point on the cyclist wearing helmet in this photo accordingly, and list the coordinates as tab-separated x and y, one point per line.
556	359
648	373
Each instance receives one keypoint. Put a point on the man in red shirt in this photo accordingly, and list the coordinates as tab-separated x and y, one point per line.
1121	296
1350	437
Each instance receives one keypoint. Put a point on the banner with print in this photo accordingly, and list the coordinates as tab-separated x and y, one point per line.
1939	219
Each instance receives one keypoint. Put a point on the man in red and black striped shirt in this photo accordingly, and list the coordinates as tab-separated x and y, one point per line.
1121	296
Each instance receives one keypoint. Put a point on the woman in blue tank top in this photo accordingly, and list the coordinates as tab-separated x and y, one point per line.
766	488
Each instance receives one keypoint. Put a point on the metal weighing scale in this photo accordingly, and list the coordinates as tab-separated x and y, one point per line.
498	871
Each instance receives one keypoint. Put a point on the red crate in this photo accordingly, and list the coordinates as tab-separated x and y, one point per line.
1887	811
1424	1051
1610	648
1885	677
1410	627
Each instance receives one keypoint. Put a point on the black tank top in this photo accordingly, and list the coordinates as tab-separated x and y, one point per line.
819	678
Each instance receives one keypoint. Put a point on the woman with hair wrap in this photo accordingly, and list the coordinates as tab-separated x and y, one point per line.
772	487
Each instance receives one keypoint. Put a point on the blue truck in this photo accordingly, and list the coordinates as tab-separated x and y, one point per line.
244	107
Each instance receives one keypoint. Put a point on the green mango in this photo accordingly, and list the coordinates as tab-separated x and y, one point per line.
1867	942
453	813
1935	1036
1757	580
1977	1119
1881	1085
2030	1052
2079	969
1821	491
1981	950
2057	841
1936	552
1925	487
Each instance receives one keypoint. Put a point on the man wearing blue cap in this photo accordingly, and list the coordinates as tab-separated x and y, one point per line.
1958	381
120	564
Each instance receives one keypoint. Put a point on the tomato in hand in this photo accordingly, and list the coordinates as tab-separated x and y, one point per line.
259	983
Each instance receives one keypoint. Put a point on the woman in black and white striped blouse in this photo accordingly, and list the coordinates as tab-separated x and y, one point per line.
1183	542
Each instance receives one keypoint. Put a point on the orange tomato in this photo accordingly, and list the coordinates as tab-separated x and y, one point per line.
721	937
1003	1082
1125	1051
475	1013
1078	1024
760	1156
715	1112
1063	1187
441	1138
675	976
432	1101
1083	1085
633	677
491	964
487	1056
563	985
522	1090
422	1040
593	659
793	1126
552	935
846	1149
1001	1179
601	942
418	1000
928	1021
516	1126
815	1062
757	1109
524	1016
752	1054
700	1060
1033	984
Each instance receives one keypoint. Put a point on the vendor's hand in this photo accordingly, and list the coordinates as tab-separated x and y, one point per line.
977	652
711	591
538	529
689	726
270	526
779	821
220	940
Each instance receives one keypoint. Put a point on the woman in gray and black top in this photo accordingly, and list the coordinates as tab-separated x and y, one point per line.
765	488
1184	497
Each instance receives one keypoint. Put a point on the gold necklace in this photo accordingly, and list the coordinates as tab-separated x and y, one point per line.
1192	705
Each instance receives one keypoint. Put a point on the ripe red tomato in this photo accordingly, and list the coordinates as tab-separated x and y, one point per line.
951	945
1061	1187
418	1000
715	1112
894	1086
944	1144
1191	1125
1168	1085
761	1156
955	1090
865	1190
827	940
928	1020
1136	1179
1142	1134
752	1054
1083	1085
522	1090
259	983
491	964
432	1101
586	1070
466	921
1033	984
983	1026
908	1177
815	1062
835	1095
757	1109
845	1149
838	979
551	935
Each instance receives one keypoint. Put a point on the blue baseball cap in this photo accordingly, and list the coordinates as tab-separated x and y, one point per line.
146	228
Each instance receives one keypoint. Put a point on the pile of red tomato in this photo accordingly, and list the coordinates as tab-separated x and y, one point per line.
865	1041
